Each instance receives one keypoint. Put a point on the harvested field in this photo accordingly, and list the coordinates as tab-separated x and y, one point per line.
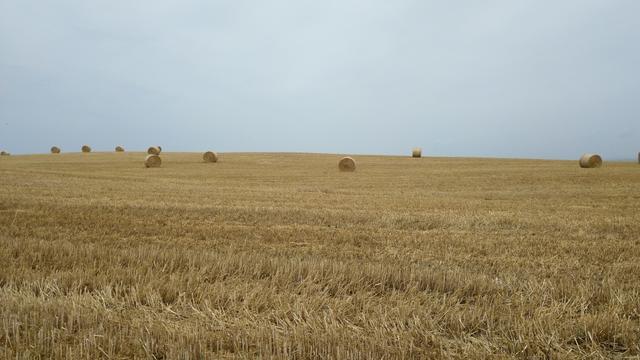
284	256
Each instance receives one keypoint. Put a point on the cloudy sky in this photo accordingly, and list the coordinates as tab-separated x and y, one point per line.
514	78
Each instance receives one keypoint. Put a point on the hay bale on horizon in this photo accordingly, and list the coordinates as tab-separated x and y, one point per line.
119	148
590	161
639	158
4	153
210	157
347	164
416	152
86	148
154	150
55	150
152	161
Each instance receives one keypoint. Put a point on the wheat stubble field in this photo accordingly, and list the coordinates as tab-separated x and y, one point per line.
282	256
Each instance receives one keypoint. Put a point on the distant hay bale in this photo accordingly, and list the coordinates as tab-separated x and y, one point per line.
210	157
159	148
55	150
416	153
119	148
589	161
154	150
4	153
347	164
152	161
86	148
639	158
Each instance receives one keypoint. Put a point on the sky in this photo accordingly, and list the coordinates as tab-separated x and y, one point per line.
504	78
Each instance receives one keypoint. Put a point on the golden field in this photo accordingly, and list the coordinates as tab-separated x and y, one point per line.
283	256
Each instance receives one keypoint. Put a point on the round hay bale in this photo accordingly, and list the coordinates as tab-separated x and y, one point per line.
347	164
210	157
589	161
4	153
86	148
153	161
55	150
416	153
119	148
639	158
153	150
159	148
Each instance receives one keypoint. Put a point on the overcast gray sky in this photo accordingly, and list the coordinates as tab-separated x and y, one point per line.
516	78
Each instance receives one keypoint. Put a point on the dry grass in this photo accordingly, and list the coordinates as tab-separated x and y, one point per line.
279	256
